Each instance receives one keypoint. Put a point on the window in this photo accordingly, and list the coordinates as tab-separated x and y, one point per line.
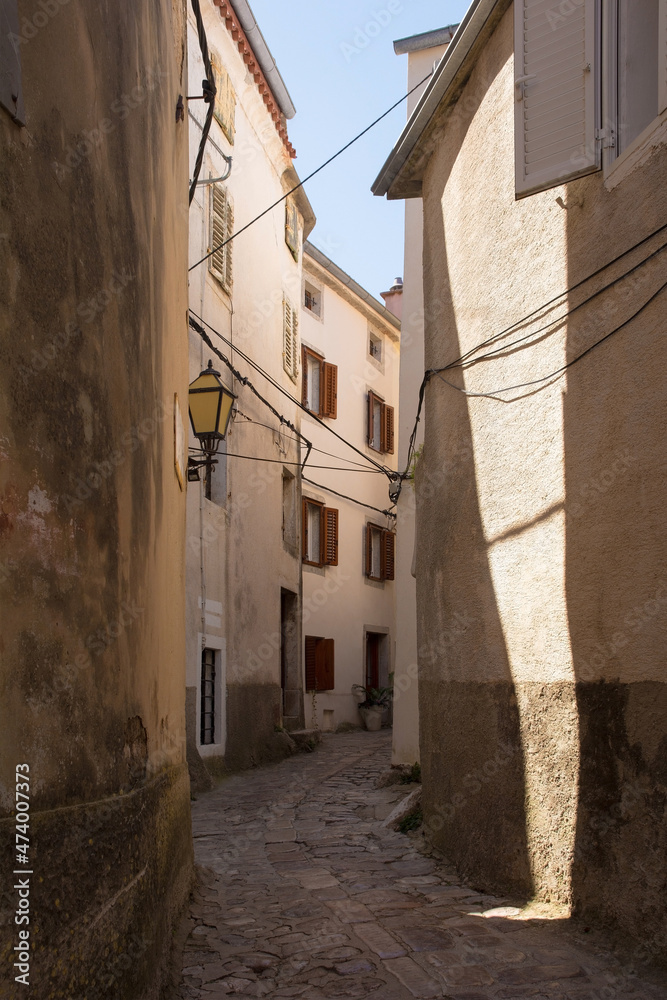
380	553
320	534
292	228
290	340
221	228
319	389
319	663
312	299
11	87
380	424
566	57
207	714
225	98
375	346
289	510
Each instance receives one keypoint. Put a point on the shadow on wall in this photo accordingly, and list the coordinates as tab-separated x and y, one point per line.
471	751
615	454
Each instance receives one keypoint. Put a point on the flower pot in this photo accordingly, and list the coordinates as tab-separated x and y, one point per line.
372	717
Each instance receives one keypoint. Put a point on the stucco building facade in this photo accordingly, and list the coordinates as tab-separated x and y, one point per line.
244	677
93	237
349	382
541	546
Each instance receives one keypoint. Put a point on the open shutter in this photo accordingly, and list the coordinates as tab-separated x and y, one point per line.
555	70
369	549
304	528
312	642
218	235
388	428
229	249
388	554
324	656
304	378
11	87
292	228
290	340
662	58
330	517
330	390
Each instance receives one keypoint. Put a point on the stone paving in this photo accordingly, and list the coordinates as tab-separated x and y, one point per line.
305	894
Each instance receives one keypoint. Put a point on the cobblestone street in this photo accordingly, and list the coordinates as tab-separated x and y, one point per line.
305	894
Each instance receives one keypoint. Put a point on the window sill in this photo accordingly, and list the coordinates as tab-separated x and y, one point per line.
637	153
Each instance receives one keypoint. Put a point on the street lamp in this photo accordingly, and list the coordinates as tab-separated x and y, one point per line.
210	404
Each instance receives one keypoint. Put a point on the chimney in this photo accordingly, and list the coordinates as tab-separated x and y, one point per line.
393	299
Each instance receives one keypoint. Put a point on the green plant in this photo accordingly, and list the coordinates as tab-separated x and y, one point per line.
411	821
416	455
413	775
373	696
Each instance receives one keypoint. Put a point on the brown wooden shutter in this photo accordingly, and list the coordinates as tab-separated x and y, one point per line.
388	554
304	528
304	377
324	665
388	428
329	394
369	549
312	642
330	518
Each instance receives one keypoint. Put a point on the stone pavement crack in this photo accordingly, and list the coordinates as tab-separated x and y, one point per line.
304	894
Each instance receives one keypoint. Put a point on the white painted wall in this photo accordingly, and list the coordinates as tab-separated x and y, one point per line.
340	602
406	703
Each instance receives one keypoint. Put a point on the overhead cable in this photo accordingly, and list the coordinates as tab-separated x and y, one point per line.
328	489
208	86
311	175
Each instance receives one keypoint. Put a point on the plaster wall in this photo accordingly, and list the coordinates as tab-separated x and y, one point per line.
339	602
540	551
237	563
405	746
93	224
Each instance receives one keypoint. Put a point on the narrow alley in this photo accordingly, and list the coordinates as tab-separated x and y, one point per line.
304	893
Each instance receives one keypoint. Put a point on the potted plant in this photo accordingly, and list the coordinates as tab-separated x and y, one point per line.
375	701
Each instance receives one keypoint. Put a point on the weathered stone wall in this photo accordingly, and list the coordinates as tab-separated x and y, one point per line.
541	551
93	257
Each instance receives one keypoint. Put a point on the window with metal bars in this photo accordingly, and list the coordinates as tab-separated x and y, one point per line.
207	716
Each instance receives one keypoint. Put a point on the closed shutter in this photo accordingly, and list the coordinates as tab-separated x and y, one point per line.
662	58
388	554
369	550
324	656
312	642
330	390
225	98
222	227
388	428
555	69
330	517
11	87
290	340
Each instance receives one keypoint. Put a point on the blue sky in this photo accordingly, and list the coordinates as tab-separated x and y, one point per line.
339	65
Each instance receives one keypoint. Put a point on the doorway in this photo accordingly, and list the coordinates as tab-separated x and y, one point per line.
290	672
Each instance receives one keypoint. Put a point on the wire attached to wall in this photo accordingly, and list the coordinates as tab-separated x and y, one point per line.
209	88
327	489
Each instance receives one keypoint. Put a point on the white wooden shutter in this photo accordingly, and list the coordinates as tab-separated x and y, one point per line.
556	64
290	340
662	58
221	228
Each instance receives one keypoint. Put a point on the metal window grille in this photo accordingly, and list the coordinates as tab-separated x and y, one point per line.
207	733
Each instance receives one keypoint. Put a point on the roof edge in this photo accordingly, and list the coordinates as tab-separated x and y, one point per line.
263	55
465	36
353	286
425	40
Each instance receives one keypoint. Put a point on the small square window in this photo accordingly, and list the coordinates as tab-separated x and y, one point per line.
375	347
312	299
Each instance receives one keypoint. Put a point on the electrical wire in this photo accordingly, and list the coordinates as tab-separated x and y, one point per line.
327	489
311	175
279	461
391	475
209	96
320	451
459	362
559	371
244	380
